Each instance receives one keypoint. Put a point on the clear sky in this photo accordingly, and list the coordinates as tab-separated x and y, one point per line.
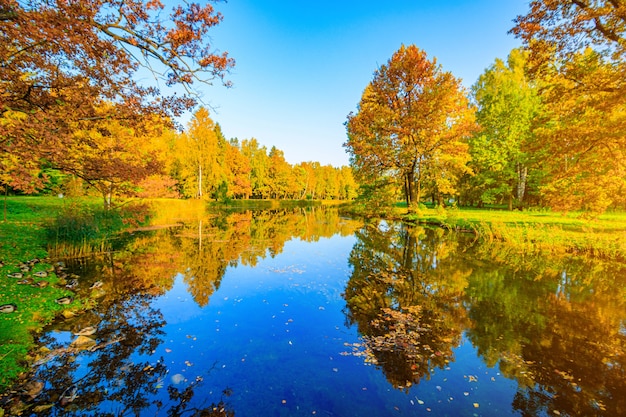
301	65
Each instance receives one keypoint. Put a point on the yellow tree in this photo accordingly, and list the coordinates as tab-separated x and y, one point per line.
584	136
111	156
201	169
348	186
279	173
238	170
259	166
60	60
408	114
578	49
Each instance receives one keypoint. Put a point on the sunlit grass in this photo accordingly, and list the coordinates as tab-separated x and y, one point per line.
22	239
34	226
546	231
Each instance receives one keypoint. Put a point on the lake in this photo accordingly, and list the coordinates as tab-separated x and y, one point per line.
303	312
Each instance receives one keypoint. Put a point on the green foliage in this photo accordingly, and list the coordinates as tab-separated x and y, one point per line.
79	227
378	198
507	104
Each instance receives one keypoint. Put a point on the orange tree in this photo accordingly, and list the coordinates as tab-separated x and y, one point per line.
61	59
410	115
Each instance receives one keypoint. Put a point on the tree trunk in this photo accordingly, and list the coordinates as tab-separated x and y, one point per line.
417	194
199	180
522	173
107	195
6	194
411	198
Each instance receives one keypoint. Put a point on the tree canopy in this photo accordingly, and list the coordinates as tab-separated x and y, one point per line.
507	102
411	116
62	61
578	51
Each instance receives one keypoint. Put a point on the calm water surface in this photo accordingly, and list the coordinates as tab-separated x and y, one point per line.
306	313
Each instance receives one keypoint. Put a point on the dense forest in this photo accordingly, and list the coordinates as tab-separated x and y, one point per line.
155	160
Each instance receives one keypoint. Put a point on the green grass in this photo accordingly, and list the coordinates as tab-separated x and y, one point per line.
33	225
536	231
22	239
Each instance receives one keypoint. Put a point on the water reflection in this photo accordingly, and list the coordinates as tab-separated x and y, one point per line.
554	326
551	323
425	307
406	297
111	372
111	369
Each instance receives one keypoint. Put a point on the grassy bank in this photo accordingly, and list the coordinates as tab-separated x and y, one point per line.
535	231
36	229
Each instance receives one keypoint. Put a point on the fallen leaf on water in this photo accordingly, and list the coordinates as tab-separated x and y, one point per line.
40	408
476	405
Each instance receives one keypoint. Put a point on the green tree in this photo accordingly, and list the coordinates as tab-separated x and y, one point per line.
507	102
410	112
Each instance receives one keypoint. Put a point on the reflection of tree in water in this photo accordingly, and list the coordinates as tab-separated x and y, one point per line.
115	378
405	296
244	238
556	325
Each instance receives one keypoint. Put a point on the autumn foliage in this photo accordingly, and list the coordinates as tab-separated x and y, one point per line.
412	123
69	66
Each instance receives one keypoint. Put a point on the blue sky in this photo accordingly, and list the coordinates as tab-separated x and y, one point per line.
302	65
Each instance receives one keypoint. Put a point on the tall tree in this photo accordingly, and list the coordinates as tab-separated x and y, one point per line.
410	111
259	166
507	102
237	171
279	174
578	47
201	155
60	60
583	136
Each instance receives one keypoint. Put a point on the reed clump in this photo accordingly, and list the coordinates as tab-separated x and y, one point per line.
82	229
